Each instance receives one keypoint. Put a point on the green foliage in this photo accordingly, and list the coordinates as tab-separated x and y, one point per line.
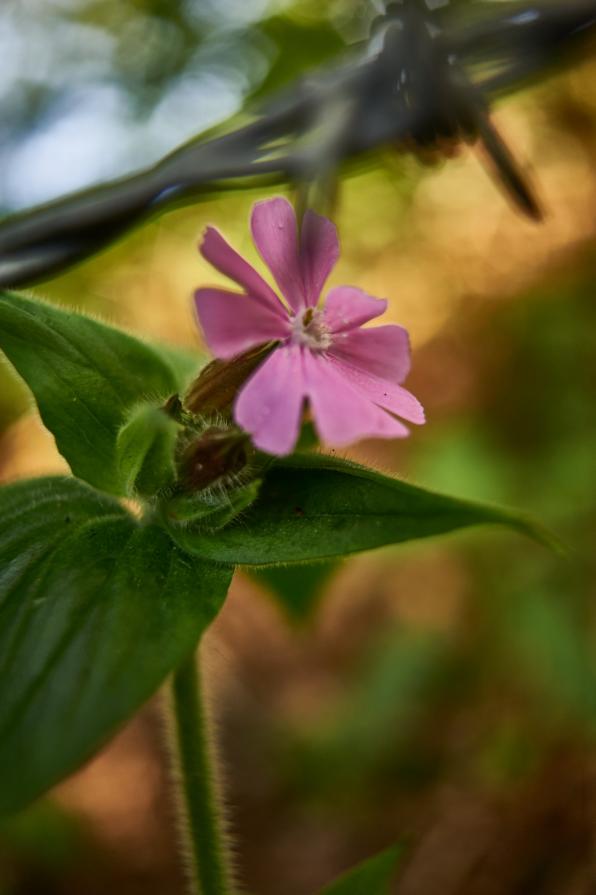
315	507
96	608
371	732
372	877
185	364
209	510
47	837
85	377
404	675
299	47
298	589
13	397
145	449
95	611
545	636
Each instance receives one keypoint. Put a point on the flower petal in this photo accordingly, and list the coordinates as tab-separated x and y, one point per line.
383	351
347	307
226	260
233	323
269	406
386	394
342	414
275	232
319	251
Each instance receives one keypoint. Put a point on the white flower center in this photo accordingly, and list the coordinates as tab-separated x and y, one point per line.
308	329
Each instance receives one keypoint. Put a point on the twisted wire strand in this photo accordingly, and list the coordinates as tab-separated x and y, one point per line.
423	79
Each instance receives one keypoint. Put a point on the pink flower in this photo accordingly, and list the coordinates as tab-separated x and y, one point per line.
349	376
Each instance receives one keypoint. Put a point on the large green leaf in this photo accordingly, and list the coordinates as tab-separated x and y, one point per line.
85	377
372	877
312	507
95	610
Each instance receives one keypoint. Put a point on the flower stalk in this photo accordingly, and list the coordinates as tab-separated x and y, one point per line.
205	844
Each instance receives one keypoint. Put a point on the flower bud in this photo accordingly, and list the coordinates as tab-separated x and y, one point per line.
216	480
216	456
218	383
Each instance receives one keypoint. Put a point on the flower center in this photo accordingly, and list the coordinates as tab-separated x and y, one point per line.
309	330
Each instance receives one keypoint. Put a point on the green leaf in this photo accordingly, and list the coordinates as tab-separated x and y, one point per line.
185	364
372	877
85	377
95	610
146	445
312	507
298	589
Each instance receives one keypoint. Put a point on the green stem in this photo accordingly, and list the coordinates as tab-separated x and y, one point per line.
206	843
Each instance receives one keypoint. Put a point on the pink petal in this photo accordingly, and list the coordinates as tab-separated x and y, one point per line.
274	230
342	414
226	260
383	351
386	394
347	308
233	323
319	251
269	406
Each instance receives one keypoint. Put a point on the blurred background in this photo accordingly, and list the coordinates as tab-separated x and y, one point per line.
441	695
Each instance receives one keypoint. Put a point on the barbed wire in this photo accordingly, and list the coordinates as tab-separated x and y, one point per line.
424	80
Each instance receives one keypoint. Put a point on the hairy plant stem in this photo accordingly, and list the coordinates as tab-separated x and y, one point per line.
207	850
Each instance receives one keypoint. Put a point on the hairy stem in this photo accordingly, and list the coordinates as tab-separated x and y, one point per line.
198	788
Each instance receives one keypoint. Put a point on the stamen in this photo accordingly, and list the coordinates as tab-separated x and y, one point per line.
309	330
